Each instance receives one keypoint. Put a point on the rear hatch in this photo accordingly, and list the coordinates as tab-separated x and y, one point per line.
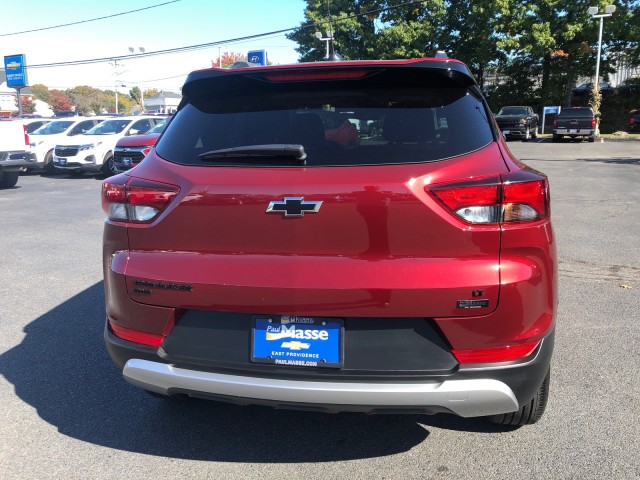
575	118
262	226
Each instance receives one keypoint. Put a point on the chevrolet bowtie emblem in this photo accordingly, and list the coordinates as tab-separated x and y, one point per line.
293	207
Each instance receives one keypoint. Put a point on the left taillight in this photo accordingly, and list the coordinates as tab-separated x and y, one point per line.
129	199
509	198
26	135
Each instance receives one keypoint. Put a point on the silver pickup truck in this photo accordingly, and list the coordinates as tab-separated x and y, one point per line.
575	122
14	151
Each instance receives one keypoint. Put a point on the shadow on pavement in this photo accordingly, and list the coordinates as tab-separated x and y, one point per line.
61	368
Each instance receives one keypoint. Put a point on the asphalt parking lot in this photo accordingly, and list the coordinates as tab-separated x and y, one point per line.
67	413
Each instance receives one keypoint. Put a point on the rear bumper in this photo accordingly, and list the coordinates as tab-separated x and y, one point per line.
516	131
15	161
467	398
577	132
470	391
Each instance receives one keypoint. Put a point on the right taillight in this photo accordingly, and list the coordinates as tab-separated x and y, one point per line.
555	123
509	198
593	122
129	199
26	135
631	121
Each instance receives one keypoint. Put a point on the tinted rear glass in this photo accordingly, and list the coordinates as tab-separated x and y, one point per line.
576	112
53	128
337	123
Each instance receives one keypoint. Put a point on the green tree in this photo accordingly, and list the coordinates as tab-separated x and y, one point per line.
136	96
88	100
369	29
40	92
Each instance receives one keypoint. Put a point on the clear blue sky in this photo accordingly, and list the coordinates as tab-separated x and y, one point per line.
179	24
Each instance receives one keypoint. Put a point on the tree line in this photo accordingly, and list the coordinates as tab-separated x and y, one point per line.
521	52
88	100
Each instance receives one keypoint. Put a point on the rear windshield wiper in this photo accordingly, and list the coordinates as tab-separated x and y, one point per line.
259	152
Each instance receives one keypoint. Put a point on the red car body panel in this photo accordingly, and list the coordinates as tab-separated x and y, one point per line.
147	140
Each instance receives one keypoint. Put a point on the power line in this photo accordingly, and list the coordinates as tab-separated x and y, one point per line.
89	20
219	42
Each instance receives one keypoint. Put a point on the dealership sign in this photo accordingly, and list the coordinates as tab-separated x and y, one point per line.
15	67
258	57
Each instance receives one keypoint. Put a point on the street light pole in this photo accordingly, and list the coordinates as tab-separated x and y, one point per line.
328	39
593	11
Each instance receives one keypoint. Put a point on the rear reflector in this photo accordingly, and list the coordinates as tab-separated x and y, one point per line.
136	336
128	199
521	196
497	354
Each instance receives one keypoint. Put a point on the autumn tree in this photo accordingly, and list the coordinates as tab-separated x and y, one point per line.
151	92
59	101
227	59
28	106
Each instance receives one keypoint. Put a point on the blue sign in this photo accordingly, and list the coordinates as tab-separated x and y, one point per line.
258	57
551	110
15	67
297	341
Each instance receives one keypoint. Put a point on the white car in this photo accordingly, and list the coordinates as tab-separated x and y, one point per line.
93	150
44	139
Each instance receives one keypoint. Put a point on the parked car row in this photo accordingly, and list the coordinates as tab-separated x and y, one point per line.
631	86
84	144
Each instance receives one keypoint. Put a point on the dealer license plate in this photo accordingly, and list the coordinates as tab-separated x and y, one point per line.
573	130
62	161
297	341
506	132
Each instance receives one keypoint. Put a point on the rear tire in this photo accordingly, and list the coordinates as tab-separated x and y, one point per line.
534	135
527	135
8	179
529	413
592	139
555	138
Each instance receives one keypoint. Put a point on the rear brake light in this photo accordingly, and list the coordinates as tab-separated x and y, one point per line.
496	354
631	120
307	76
146	151
513	197
136	336
593	123
128	199
26	135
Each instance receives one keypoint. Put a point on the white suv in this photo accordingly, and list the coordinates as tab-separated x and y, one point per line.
93	150
44	139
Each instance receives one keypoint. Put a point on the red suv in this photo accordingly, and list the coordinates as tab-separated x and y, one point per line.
250	259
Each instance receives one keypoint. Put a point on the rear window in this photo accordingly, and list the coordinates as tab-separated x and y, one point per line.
53	128
337	123
576	112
